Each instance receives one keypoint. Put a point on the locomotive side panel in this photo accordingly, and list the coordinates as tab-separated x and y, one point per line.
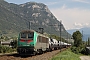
42	43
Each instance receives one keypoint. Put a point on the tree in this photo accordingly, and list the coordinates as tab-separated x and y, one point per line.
79	46
88	41
77	36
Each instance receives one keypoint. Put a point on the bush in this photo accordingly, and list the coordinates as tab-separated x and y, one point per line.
5	49
77	50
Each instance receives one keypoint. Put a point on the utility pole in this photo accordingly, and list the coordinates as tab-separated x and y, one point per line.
60	25
82	35
67	39
29	25
60	34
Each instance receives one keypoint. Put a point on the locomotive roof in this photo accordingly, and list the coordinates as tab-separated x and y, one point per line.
27	31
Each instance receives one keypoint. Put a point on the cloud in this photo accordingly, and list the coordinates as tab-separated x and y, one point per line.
51	3
81	25
87	24
71	15
82	1
64	6
78	24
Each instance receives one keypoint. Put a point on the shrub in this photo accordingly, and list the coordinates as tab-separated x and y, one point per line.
78	50
5	49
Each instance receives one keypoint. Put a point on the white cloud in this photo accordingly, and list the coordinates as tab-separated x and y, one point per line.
81	25
87	24
78	24
51	3
64	6
83	1
71	15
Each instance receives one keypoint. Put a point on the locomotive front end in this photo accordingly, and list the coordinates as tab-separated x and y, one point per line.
26	42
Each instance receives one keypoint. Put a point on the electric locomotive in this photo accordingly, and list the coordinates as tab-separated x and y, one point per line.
30	41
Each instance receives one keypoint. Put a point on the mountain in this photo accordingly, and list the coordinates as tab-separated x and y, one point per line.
14	18
9	22
85	32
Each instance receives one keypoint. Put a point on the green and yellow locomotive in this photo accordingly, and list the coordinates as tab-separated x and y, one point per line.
30	41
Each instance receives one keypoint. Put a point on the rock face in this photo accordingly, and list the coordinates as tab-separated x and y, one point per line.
14	18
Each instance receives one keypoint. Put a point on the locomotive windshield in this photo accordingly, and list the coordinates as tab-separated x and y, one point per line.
30	35
27	35
23	35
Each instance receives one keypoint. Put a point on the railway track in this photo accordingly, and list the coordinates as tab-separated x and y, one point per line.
15	56
5	54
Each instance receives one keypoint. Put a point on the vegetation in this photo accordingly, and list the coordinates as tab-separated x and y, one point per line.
79	45
5	49
58	38
77	48
8	49
66	55
88	42
77	36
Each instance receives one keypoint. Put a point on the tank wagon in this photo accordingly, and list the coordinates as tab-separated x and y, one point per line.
53	44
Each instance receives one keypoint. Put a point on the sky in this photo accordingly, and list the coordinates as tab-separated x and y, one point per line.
74	14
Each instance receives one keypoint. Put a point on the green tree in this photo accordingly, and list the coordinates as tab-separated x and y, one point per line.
78	46
77	36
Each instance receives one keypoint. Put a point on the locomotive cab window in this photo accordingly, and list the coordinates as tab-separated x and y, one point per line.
23	35
30	35
27	35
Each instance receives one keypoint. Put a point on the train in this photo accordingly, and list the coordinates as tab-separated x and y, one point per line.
32	42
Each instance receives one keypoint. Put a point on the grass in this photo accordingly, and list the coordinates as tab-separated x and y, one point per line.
66	55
